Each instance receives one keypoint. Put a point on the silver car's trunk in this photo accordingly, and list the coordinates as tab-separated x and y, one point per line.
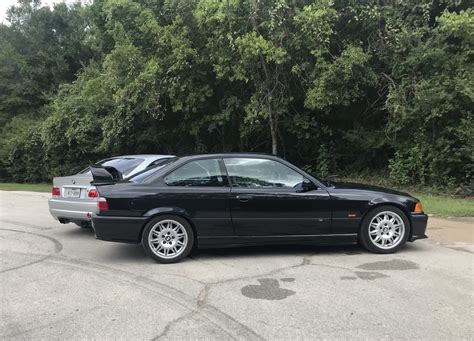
74	186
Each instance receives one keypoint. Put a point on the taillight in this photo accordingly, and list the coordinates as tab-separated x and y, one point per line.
418	208
102	205
55	192
93	193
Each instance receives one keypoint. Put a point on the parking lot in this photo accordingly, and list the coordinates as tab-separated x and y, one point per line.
59	282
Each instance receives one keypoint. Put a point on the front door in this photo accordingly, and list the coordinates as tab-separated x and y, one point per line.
267	200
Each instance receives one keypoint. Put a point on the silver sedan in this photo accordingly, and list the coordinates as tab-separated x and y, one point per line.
74	198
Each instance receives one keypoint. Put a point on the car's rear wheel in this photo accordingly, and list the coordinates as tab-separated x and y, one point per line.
167	239
385	229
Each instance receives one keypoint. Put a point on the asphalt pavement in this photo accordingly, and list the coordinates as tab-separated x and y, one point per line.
59	282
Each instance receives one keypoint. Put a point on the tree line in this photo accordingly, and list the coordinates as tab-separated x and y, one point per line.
335	86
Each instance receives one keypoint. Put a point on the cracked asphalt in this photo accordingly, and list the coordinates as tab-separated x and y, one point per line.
59	282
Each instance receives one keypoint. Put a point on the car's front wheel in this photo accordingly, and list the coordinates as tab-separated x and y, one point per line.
385	229
167	239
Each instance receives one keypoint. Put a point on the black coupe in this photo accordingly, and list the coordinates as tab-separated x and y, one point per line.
223	200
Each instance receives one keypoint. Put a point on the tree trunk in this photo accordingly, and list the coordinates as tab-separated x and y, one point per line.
274	133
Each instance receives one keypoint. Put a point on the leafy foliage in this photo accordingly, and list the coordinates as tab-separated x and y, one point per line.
335	86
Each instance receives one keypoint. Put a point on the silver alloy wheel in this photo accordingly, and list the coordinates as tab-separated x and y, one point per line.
168	238
386	230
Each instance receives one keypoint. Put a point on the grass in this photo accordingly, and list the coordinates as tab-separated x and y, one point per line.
446	206
432	203
11	186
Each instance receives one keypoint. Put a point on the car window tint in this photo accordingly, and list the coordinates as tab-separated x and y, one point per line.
197	173
123	165
252	172
147	174
161	162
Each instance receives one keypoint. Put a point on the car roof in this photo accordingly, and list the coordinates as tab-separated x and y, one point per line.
143	156
223	155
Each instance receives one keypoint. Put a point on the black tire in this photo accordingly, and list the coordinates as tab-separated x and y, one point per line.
177	222
370	244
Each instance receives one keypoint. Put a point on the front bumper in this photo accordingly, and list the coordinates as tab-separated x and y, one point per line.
118	229
419	221
72	210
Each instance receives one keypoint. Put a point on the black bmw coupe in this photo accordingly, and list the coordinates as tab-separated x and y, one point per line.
222	200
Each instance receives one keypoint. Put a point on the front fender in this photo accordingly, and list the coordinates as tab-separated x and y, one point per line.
406	204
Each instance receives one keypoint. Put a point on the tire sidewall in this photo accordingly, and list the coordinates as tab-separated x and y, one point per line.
153	222
364	231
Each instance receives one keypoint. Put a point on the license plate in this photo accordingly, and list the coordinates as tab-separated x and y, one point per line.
72	192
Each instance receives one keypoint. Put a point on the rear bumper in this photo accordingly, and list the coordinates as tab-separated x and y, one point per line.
74	210
419	221
118	229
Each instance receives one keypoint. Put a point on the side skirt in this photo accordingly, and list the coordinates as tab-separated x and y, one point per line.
236	241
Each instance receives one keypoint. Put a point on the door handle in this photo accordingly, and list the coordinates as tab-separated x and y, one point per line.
244	198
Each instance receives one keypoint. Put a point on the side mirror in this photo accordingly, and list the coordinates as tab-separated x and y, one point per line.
306	186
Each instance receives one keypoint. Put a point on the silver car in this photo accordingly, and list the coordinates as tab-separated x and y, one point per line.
75	198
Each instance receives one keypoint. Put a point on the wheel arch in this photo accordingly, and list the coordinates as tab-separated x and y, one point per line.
386	203
168	211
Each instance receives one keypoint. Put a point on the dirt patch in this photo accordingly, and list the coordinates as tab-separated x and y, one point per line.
394	264
370	276
269	289
451	230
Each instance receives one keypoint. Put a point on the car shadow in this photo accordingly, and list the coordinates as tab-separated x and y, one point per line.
123	252
127	253
134	253
277	250
78	232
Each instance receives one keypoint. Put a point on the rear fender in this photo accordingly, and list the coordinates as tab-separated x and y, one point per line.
167	211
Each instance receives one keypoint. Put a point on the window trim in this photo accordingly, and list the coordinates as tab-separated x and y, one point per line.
268	189
225	177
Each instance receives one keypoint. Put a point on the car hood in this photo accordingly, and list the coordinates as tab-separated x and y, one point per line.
362	187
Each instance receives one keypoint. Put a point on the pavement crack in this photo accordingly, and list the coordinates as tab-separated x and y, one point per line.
57	244
172	323
227	324
21	224
202	297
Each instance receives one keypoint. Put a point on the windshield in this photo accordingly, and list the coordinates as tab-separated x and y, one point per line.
152	170
123	165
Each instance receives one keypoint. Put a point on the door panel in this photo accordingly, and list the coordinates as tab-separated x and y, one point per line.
263	212
266	200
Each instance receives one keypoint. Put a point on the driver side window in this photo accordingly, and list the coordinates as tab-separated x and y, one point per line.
262	173
203	173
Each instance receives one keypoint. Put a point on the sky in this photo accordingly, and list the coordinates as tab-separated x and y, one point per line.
5	4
